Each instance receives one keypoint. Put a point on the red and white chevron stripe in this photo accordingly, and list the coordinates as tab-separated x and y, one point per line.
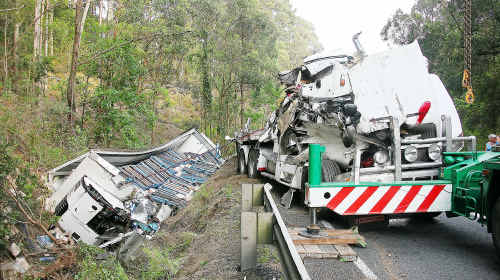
383	199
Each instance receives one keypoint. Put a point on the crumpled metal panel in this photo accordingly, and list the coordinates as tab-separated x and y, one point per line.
319	65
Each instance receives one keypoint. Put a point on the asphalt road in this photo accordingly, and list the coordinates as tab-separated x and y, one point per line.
441	248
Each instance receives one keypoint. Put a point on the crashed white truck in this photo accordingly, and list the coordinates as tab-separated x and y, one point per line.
103	197
380	118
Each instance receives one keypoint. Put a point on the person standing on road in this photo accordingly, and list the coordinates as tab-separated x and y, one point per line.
492	141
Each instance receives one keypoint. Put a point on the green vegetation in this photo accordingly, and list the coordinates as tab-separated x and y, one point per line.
438	26
161	266
90	268
76	75
267	254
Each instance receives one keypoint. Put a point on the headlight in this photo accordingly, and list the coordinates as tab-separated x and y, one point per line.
411	153
434	152
381	157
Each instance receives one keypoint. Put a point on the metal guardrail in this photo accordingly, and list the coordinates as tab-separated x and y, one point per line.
290	258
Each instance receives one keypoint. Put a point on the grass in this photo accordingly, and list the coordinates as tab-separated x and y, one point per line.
92	269
161	265
267	254
228	191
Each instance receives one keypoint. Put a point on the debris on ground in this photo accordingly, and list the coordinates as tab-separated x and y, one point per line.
20	265
14	250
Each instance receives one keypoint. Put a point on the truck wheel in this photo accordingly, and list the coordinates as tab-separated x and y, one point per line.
495	225
253	157
242	167
329	169
237	158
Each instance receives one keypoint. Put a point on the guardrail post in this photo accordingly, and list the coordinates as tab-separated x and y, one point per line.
248	240
246	197
265	228
258	195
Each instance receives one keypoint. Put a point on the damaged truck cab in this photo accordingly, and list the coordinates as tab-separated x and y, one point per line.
380	118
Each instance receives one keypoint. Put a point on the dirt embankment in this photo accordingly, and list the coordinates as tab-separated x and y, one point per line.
204	238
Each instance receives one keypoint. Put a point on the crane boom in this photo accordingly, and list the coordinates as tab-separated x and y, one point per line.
466	81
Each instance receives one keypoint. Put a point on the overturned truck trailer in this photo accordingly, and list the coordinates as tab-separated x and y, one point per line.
378	120
105	196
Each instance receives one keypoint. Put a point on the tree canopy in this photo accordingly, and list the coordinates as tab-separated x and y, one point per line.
439	28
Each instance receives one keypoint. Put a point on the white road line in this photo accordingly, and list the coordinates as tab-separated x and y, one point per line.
365	269
360	264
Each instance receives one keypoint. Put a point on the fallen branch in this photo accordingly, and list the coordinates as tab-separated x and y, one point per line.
12	9
13	185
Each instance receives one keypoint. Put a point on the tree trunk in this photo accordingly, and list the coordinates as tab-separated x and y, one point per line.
16	56
101	2
37	34
51	35
42	27
155	114
5	61
80	16
46	36
37	30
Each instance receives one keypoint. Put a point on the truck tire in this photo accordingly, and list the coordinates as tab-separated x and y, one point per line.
495	225
237	158
329	170
242	166
253	157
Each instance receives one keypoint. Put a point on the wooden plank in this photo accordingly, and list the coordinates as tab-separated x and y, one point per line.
345	250
248	240
330	232
329	251
265	228
346	253
318	252
353	236
326	241
246	197
300	249
312	249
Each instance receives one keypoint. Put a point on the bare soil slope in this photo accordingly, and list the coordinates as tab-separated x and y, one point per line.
205	236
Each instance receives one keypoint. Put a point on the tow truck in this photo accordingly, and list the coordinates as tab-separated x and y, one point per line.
350	135
467	185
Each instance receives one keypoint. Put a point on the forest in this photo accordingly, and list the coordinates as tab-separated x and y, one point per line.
129	74
439	28
99	73
126	74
